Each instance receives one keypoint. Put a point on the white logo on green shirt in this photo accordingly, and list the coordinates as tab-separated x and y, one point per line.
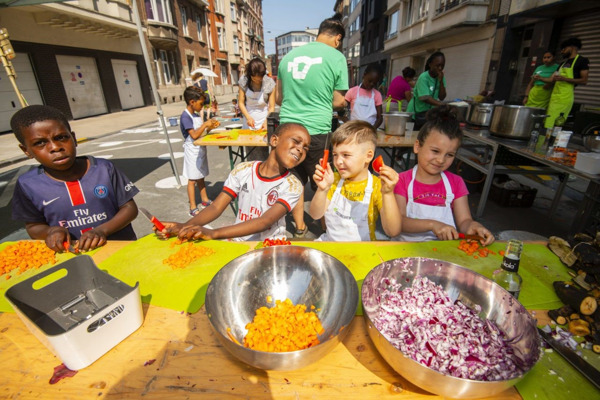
307	61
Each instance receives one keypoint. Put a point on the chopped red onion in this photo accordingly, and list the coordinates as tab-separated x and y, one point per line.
449	337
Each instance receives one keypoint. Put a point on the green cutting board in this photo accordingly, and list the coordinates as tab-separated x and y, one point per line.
160	285
15	278
539	267
553	378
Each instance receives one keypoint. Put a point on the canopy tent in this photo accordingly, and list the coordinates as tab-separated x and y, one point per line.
136	18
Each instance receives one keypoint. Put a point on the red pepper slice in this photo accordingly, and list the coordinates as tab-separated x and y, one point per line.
377	164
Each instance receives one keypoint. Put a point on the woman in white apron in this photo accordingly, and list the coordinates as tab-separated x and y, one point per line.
348	220
256	100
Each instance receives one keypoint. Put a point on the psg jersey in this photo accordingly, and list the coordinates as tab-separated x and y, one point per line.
76	205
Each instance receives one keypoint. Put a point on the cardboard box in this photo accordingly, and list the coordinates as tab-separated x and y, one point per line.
76	310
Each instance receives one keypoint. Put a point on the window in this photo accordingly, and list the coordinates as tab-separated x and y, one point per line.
184	25
168	67
236	45
415	10
221	38
392	25
357	49
158	10
219	6
223	66
232	11
353	4
199	26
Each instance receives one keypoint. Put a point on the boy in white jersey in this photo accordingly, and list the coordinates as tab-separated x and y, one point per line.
265	191
352	199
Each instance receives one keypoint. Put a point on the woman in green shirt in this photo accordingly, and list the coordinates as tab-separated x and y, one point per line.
539	88
430	89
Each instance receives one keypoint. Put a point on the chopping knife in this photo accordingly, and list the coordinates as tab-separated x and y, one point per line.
591	373
470	237
152	218
69	247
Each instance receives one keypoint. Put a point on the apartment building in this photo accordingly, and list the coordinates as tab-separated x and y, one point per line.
84	57
290	40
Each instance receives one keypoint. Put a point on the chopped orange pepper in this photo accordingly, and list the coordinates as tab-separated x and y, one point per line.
25	255
284	327
186	255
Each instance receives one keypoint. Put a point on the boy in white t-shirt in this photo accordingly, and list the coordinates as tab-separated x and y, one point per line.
265	191
352	199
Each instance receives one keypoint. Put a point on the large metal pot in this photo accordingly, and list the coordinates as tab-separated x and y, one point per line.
480	114
395	123
515	122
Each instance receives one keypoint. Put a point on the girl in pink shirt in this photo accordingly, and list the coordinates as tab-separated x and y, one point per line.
433	203
365	101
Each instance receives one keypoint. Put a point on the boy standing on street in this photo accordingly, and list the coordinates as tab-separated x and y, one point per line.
352	199
68	197
265	191
195	162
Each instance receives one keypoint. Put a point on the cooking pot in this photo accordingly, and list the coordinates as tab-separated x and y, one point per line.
461	108
395	122
591	138
515	122
480	113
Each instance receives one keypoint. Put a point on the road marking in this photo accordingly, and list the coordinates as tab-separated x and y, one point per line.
166	156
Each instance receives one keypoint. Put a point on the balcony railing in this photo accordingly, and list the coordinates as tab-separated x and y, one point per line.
450	4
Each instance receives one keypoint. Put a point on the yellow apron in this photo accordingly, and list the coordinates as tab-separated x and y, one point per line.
562	96
538	97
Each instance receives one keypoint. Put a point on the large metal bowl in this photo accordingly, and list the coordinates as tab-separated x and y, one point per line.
471	289
305	276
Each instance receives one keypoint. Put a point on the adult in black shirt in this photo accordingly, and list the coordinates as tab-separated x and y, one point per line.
572	72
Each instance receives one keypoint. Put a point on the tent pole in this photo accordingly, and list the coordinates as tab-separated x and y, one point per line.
161	117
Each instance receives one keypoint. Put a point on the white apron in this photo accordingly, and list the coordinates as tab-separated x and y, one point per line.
195	162
364	108
424	211
346	220
257	108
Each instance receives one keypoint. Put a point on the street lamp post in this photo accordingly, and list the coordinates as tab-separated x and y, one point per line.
6	54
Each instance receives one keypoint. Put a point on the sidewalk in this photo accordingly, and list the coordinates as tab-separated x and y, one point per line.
102	125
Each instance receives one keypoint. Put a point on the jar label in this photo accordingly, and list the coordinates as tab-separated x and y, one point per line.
510	264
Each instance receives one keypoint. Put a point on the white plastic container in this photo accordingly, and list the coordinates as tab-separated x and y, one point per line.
588	162
76	310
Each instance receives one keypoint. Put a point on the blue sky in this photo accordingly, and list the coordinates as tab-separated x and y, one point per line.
281	16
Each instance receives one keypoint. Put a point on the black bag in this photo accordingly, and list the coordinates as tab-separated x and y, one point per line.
419	119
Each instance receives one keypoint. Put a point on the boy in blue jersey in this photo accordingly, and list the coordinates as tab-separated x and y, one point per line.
68	197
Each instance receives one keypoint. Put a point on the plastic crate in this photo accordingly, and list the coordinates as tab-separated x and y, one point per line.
512	197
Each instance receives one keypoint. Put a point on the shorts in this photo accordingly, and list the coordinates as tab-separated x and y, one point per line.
306	169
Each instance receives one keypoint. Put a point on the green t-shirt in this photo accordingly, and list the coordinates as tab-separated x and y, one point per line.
309	75
426	86
544	72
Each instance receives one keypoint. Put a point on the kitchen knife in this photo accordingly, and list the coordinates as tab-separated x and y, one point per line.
591	373
69	247
152	219
470	237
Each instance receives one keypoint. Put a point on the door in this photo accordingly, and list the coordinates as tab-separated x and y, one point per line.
469	57
128	83
82	85
9	102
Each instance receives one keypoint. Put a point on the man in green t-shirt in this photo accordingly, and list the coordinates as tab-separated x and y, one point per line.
311	82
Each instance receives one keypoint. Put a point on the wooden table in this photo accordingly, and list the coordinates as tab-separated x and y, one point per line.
176	355
388	143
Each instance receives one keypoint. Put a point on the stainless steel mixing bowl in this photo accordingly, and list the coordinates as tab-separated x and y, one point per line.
471	289
305	276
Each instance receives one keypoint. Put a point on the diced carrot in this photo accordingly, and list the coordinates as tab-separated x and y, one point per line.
282	328
187	255
25	255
